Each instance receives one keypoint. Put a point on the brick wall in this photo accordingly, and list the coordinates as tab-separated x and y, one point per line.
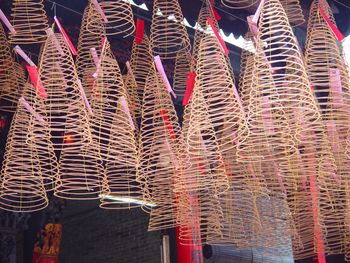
94	235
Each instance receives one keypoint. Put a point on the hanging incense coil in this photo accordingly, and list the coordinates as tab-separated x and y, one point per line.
6	71
22	188
182	68
159	141
268	234
331	86
81	174
117	18
204	166
10	92
61	103
278	89
240	216
294	12
199	217
131	88
87	40
60	99
168	33
39	141
29	20
239	4
328	75
246	74
120	180
141	62
214	81
314	14
108	88
204	13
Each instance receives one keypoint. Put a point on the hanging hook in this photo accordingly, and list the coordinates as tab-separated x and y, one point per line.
54	7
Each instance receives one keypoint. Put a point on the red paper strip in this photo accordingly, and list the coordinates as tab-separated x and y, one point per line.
317	229
191	81
216	14
167	124
140	31
191	252
66	37
258	11
38	85
218	37
340	37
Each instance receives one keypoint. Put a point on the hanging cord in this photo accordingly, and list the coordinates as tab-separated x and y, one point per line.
54	7
348	7
63	6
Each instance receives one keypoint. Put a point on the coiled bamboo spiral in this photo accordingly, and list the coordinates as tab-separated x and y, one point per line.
294	12
158	159
81	170
11	91
329	77
120	19
120	179
239	4
182	68
87	40
206	167
135	104
29	20
39	140
109	86
168	33
278	88
22	188
201	25
141	63
64	106
214	81
200	217
237	204
6	70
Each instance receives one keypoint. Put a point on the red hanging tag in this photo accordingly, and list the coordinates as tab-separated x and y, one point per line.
191	81
218	37
66	37
140	31
167	124
216	14
333	27
38	85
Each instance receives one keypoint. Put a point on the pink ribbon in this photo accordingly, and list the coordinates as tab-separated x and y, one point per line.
99	9
94	56
130	71
7	22
125	108
50	33
104	41
20	52
161	71
31	110
83	94
256	16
